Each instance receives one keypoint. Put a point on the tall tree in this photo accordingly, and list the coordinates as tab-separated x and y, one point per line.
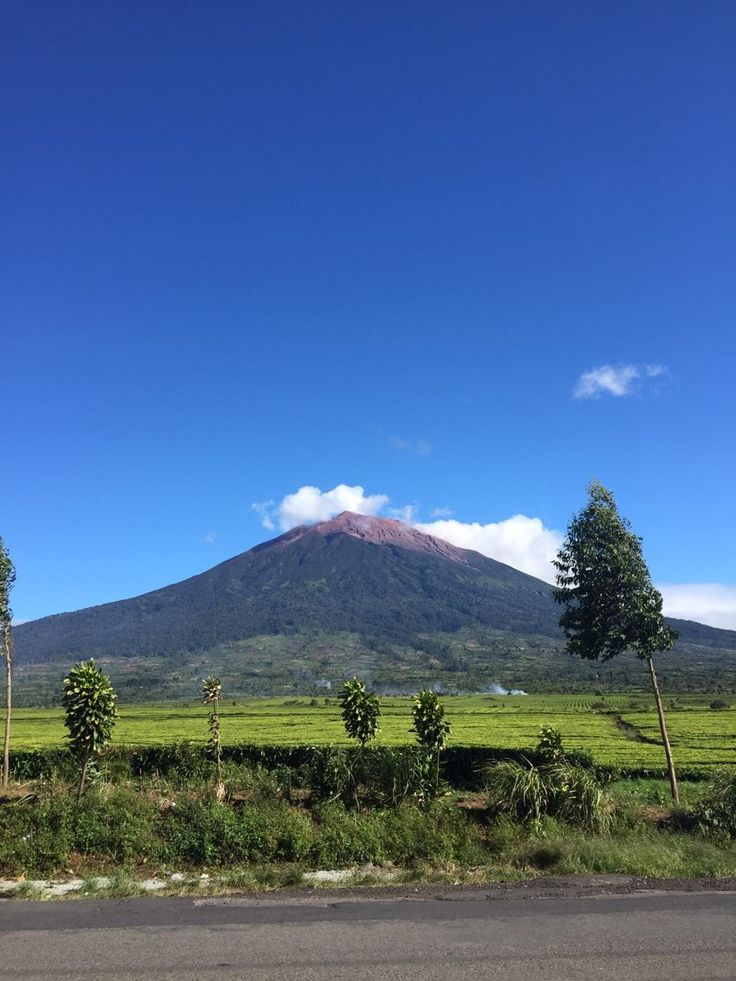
7	580
610	603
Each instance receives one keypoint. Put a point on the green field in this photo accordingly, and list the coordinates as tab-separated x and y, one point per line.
619	729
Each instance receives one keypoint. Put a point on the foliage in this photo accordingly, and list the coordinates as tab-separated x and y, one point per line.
360	711
610	603
716	810
430	725
432	730
603	582
558	789
7	581
550	746
211	694
89	704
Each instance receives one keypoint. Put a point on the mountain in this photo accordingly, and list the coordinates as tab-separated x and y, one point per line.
354	592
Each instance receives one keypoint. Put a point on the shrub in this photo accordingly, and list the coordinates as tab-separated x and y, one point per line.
204	833
715	812
90	714
559	789
405	835
360	711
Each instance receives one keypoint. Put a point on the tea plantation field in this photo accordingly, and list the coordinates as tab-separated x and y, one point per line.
618	729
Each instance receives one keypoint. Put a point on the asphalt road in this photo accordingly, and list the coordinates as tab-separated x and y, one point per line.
450	934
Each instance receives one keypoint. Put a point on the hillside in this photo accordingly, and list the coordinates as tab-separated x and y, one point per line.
397	603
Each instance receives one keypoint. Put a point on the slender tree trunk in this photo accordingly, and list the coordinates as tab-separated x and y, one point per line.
8	644
663	730
83	776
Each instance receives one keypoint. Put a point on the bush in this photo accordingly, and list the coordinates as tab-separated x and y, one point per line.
115	824
202	832
39	836
405	835
715	812
185	764
526	793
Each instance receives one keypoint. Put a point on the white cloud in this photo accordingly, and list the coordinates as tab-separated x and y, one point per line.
441	513
310	504
617	380
706	602
519	541
209	538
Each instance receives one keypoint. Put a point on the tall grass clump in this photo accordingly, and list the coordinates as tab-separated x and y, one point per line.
558	789
715	812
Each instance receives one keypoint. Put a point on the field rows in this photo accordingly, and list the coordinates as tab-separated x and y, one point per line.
700	736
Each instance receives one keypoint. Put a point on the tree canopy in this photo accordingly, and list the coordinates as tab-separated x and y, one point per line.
603	581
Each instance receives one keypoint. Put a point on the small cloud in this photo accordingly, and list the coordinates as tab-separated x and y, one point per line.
209	538
407	514
441	513
310	504
264	510
419	447
706	602
618	380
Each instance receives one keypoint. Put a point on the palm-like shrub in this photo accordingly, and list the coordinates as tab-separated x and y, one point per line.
360	711
432	730
211	694
89	704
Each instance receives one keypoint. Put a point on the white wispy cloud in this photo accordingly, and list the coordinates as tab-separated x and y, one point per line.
706	602
420	447
441	513
209	538
617	380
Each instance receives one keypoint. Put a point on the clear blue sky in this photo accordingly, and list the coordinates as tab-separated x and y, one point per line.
248	247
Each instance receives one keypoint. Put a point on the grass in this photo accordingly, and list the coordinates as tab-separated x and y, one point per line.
701	737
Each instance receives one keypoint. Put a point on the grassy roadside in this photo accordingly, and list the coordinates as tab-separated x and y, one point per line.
261	839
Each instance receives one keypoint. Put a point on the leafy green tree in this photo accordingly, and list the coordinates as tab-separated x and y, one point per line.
432	730
360	711
610	603
211	695
89	703
7	580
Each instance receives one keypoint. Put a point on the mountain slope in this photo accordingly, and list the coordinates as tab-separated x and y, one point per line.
350	574
373	587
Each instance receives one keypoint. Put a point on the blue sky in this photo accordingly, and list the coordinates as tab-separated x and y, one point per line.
463	256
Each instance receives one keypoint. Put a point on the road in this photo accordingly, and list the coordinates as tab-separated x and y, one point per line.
463	935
